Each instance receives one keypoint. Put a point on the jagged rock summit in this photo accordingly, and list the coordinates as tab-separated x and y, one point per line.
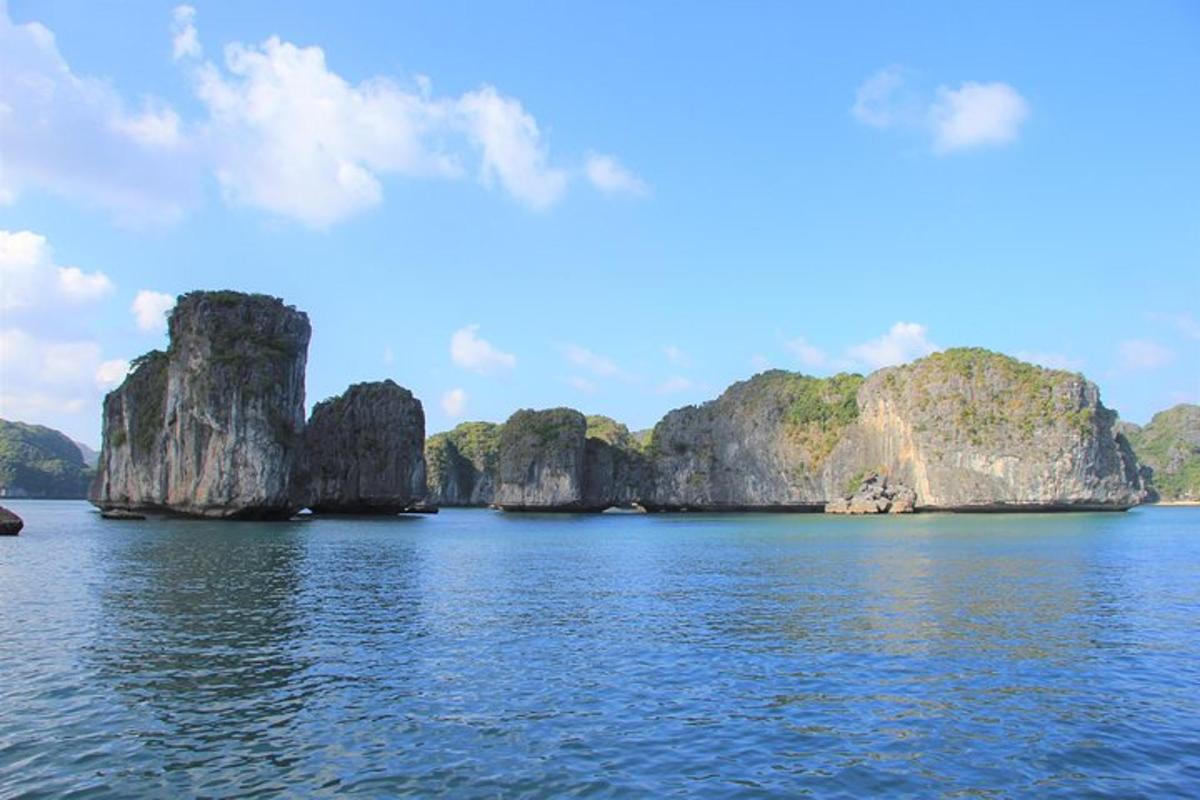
364	452
213	426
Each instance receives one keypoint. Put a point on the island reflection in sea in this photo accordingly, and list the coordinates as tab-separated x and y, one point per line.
481	654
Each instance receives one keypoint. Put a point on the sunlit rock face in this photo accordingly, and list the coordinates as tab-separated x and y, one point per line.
213	427
968	429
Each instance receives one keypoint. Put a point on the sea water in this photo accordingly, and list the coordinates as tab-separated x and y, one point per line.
480	654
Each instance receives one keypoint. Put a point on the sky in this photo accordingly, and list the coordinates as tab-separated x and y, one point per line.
621	207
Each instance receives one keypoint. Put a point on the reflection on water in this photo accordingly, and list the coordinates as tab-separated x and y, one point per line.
477	654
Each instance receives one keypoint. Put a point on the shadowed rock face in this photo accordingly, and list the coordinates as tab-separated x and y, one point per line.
464	464
212	427
10	523
542	458
763	444
364	451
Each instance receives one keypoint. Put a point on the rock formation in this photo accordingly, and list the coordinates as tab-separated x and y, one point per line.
542	462
615	467
10	523
213	426
764	444
966	429
364	452
972	430
875	494
463	465
1169	447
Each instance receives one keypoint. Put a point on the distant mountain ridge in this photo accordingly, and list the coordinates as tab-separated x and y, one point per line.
1169	447
36	461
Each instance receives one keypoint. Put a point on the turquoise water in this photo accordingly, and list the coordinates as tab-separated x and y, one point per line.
481	655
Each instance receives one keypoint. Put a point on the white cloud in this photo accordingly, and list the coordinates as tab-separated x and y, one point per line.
608	175
972	115
512	147
677	356
977	114
1051	360
185	42
593	362
48	375
1143	354
150	310
469	351
454	403
673	384
282	132
904	342
45	381
110	373
71	135
806	353
29	278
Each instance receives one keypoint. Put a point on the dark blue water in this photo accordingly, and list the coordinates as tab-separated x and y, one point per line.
474	654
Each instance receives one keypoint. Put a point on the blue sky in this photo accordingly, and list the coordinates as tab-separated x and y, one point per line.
621	207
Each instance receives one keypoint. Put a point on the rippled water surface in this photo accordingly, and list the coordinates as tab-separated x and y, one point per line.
477	654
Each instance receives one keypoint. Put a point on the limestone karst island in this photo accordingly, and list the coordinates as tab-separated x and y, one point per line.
215	427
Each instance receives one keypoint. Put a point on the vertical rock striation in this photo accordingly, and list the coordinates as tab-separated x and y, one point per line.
364	452
972	430
212	427
542	458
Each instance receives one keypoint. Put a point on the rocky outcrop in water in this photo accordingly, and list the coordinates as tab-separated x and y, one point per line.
364	452
615	467
764	444
966	429
1169	447
972	430
875	494
464	465
10	523
542	458
213	427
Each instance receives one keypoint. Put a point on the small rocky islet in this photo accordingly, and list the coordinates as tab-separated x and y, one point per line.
214	427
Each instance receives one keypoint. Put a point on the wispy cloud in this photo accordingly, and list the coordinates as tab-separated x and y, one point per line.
1143	354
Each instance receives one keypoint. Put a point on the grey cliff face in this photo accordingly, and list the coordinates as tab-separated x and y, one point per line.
364	451
464	465
972	430
542	461
764	444
213	427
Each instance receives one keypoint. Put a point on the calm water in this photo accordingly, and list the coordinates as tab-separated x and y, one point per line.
477	654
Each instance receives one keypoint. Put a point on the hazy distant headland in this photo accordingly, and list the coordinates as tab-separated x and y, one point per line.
214	426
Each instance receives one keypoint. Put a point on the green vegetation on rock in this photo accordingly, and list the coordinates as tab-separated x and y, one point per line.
817	409
1170	446
994	396
609	431
36	461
